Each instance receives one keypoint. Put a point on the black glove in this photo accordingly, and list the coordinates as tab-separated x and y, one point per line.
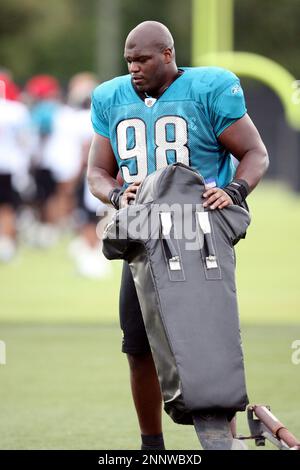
238	190
115	197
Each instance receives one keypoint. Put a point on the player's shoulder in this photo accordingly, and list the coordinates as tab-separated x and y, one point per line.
210	79
109	91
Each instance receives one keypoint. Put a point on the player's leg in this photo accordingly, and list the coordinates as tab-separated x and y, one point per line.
144	382
146	393
8	221
8	202
8	246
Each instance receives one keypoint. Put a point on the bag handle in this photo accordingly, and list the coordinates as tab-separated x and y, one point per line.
204	223
171	253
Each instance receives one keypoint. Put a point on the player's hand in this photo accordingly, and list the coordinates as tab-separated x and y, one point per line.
216	198
129	195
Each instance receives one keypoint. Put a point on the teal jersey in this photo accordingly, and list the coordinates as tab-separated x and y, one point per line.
182	125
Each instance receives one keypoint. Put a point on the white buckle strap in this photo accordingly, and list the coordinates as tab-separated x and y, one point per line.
166	225
204	223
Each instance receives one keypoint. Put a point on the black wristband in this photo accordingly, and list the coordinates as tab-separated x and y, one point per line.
238	190
115	197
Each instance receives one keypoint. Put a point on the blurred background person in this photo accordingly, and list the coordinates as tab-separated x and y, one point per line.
15	148
86	248
42	93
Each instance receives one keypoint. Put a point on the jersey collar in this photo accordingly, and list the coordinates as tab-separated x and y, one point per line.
149	100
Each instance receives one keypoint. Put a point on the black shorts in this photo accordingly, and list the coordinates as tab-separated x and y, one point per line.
135	339
45	184
8	195
84	214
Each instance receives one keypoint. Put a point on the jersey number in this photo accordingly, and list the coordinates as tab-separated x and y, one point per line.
170	135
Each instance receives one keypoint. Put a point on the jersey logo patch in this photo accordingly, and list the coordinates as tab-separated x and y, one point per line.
149	102
235	89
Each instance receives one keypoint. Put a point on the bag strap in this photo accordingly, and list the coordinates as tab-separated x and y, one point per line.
171	253
204	224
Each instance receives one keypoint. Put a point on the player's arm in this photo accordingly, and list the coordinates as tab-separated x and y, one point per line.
243	141
102	172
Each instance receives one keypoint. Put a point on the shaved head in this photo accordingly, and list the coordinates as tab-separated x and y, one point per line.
150	34
150	56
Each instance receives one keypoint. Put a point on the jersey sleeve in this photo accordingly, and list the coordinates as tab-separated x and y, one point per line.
227	103
99	121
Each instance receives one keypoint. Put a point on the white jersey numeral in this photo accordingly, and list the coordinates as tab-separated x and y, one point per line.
177	144
138	151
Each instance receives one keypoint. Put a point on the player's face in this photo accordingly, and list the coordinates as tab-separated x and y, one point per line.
147	68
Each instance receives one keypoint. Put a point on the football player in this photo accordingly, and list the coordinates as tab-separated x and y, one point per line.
157	115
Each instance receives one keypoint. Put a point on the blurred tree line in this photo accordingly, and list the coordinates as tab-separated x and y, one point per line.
63	37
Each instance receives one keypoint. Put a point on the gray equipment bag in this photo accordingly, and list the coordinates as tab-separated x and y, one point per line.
183	264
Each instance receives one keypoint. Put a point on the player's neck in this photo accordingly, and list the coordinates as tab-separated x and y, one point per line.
158	92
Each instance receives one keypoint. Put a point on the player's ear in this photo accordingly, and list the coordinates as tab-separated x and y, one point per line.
168	53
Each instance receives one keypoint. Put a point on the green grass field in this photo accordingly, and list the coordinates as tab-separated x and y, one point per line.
65	384
67	387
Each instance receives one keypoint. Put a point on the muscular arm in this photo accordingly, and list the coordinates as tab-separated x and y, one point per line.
102	168
245	144
102	172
